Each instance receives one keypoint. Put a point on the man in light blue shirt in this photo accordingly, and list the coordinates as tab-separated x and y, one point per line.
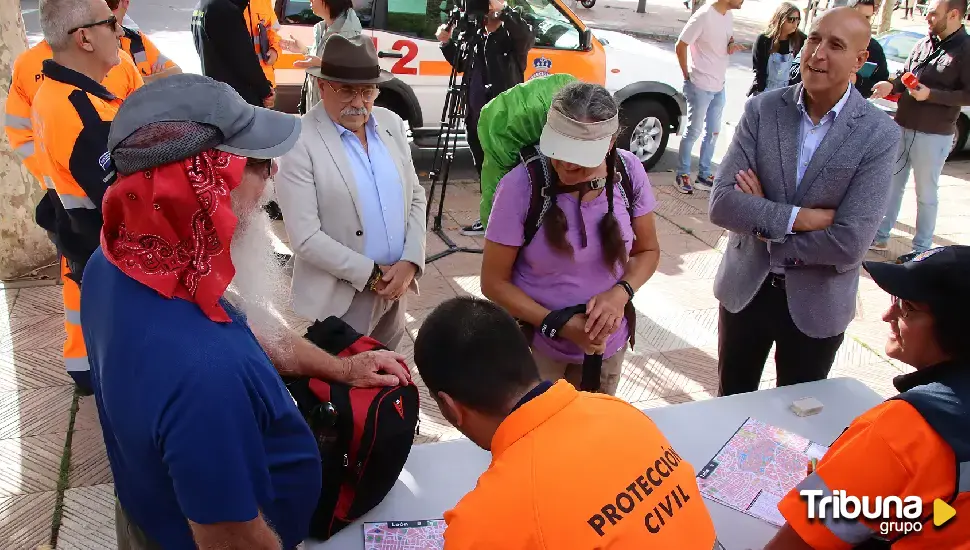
353	207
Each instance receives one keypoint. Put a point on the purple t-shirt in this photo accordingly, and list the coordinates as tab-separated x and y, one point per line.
552	278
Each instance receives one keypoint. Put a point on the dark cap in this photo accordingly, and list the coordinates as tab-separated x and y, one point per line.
939	277
247	131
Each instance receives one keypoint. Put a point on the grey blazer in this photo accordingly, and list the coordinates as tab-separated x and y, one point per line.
317	193
850	172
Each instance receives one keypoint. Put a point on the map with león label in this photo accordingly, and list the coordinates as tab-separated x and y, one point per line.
756	468
426	534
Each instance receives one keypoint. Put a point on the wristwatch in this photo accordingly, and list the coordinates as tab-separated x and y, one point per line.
375	277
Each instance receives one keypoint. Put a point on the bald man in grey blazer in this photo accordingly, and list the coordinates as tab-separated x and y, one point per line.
802	189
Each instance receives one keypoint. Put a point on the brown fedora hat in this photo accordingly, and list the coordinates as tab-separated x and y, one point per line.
351	61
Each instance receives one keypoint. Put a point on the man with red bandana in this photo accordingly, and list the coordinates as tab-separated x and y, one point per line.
180	315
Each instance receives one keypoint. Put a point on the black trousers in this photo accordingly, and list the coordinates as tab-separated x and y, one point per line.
745	339
471	134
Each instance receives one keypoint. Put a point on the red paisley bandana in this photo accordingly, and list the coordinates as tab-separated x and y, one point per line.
170	227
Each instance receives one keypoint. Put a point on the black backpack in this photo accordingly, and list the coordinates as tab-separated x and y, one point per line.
364	434
541	180
540	177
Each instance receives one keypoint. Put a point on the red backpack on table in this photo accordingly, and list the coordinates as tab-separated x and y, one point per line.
364	434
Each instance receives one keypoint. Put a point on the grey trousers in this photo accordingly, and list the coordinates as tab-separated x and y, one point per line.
381	319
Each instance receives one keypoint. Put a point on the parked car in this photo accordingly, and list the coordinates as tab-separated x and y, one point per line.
897	44
652	106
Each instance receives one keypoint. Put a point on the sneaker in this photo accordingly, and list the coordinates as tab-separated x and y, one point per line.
474	230
683	184
274	211
704	183
879	246
906	257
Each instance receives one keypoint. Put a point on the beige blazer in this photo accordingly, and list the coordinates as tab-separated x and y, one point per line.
317	194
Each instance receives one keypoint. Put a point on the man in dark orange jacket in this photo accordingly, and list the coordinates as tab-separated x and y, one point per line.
71	115
569	469
916	444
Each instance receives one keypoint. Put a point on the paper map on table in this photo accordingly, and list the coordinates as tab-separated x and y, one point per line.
405	535
756	468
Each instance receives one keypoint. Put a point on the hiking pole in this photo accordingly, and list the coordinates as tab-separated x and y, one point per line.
452	122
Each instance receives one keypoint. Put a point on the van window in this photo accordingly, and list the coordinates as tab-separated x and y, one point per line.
417	18
298	12
553	29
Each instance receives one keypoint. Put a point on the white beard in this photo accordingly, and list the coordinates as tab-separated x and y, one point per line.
260	287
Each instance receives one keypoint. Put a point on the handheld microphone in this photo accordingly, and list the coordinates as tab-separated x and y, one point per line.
910	81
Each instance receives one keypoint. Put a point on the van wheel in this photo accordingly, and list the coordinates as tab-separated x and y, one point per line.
645	125
393	102
963	132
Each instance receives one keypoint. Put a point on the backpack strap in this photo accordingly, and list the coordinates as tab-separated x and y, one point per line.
537	166
626	186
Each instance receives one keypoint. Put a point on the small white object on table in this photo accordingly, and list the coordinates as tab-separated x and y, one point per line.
437	475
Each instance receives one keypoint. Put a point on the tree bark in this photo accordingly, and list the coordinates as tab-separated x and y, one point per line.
24	246
642	6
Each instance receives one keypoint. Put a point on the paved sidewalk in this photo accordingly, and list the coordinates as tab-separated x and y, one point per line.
664	19
674	361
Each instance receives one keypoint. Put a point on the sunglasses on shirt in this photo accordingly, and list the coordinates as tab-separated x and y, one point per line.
111	22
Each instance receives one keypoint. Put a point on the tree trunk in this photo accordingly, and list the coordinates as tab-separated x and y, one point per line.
23	245
696	5
886	16
642	6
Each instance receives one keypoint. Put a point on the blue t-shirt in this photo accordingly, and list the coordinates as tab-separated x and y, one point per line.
196	421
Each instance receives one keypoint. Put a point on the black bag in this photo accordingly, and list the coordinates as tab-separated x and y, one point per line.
364	434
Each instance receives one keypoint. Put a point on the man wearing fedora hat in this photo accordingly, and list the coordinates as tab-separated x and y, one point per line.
353	207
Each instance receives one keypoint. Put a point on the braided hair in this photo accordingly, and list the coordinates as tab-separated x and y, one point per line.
589	103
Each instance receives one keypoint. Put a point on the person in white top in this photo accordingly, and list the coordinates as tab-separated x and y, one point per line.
709	37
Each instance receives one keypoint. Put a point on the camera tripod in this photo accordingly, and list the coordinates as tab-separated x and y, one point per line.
467	41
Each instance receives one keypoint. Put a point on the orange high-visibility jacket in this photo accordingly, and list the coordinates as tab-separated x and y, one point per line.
260	12
122	80
143	51
581	470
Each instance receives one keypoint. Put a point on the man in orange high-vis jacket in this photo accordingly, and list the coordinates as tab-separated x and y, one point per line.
122	80
264	27
569	469
914	446
151	62
70	119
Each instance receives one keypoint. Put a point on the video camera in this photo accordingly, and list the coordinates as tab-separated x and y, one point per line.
467	11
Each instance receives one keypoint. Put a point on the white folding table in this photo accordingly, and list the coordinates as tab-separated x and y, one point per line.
437	475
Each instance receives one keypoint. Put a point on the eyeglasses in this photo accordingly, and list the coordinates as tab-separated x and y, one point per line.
111	22
347	94
904	307
794	19
261	165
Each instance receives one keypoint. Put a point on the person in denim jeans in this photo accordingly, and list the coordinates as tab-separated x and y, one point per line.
708	36
927	115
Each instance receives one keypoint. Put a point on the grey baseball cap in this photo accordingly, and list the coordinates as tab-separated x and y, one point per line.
245	130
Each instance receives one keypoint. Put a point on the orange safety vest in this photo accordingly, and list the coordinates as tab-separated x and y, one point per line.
260	13
122	80
144	52
581	470
914	445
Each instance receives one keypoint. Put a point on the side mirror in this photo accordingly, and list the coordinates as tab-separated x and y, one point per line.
585	39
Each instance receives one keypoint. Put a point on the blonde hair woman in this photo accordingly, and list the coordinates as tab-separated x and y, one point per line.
775	48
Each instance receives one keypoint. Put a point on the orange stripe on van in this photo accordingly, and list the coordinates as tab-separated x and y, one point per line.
434	68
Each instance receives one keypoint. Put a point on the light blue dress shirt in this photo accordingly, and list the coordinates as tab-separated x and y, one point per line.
380	193
811	136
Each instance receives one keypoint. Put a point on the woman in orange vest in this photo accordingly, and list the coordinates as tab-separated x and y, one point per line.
569	469
915	446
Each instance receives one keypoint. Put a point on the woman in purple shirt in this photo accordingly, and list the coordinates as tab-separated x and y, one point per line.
595	245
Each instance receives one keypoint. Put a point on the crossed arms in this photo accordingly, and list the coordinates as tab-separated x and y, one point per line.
836	235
